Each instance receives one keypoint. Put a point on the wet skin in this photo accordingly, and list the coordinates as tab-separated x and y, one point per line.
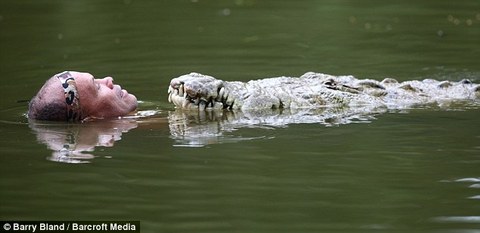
101	98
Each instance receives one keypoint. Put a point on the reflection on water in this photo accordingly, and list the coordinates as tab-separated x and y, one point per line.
472	219
199	128
75	143
475	184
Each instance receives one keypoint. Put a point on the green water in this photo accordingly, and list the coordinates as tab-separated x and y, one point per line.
406	171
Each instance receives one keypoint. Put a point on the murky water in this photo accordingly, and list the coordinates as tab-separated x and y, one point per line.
415	170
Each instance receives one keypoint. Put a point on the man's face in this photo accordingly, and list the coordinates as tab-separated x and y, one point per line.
101	98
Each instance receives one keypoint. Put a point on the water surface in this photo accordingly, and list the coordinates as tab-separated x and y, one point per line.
415	170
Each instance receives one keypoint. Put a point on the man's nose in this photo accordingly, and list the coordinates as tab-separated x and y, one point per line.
107	81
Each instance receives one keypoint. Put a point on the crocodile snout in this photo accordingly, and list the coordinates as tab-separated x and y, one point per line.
196	91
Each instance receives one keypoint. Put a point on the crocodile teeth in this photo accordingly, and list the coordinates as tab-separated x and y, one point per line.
180	91
177	100
222	97
178	94
229	101
221	92
196	101
185	104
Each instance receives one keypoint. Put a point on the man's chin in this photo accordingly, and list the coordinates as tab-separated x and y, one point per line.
132	102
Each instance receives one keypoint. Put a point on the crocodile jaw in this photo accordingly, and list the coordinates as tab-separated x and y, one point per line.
198	92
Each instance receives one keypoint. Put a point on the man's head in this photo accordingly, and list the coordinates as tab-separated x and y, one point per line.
75	96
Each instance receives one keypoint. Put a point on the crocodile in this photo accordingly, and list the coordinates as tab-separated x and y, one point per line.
311	90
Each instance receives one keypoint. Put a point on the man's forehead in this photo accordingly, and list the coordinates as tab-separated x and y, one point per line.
81	75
